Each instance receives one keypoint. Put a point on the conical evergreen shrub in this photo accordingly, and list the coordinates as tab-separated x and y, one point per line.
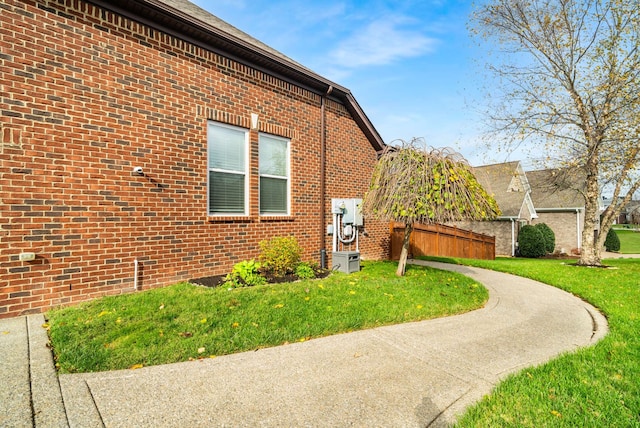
612	242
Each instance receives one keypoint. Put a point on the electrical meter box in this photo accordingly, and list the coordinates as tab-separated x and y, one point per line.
345	261
351	210
356	210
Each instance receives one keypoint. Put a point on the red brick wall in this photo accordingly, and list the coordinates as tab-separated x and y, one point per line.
349	167
85	97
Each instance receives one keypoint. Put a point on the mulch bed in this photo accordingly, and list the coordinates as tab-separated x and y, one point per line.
217	280
209	281
561	257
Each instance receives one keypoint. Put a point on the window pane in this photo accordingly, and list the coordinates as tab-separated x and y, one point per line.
226	193
273	195
273	156
226	148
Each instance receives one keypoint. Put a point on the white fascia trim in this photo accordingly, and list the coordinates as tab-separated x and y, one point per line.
560	209
529	202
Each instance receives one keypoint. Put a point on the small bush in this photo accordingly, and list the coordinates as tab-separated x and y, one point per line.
305	271
531	242
612	242
548	235
246	273
280	255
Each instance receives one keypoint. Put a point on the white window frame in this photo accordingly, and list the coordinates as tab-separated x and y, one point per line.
247	162
287	141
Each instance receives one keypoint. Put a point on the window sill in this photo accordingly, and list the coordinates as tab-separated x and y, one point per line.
281	217
229	219
249	219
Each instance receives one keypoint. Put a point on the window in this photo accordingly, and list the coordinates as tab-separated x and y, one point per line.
274	175
228	183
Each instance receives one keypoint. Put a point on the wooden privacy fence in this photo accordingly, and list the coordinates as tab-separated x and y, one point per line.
444	241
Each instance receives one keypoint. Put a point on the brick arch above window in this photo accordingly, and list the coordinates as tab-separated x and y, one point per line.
222	116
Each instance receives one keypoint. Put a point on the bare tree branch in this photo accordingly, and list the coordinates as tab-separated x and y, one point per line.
569	75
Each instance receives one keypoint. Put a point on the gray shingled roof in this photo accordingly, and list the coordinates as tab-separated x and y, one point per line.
503	182
557	189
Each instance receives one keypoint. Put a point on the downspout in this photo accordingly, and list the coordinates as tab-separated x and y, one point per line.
323	166
513	238
578	234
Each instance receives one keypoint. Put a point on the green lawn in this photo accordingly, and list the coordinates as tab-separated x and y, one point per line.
184	321
593	387
629	240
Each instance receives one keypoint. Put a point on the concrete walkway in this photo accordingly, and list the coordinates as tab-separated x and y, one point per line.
417	374
29	392
610	255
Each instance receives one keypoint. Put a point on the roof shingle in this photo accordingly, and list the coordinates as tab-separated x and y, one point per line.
559	189
506	183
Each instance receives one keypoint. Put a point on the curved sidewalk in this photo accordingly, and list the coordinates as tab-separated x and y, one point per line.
415	374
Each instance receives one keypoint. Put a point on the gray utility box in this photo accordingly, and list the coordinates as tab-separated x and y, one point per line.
345	261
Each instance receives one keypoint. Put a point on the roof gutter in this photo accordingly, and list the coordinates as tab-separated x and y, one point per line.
364	123
563	209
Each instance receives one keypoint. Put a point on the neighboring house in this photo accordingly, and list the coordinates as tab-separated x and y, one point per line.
633	213
559	200
550	196
626	214
236	144
508	184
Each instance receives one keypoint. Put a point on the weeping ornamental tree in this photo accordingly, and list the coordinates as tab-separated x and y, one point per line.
413	184
568	80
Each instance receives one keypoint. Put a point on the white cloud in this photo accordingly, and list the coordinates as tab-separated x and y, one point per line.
382	42
309	13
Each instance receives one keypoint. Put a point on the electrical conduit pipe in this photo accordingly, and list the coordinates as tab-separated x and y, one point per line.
135	274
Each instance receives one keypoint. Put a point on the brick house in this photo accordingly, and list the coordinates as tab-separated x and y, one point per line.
631	213
236	143
550	196
559	200
508	184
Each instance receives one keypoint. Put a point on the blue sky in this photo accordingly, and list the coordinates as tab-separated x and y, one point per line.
411	65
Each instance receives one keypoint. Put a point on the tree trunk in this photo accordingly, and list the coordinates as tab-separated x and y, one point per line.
404	254
590	251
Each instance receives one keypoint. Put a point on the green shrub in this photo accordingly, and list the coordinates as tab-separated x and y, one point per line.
531	242
612	242
246	273
305	271
280	255
548	235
